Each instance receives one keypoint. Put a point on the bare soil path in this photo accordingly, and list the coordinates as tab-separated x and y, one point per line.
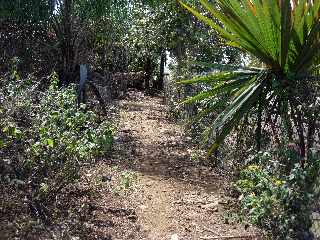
173	195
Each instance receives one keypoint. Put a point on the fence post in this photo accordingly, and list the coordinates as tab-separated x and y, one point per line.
82	83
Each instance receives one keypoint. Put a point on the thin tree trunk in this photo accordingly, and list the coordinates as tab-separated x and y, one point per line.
67	50
159	85
148	71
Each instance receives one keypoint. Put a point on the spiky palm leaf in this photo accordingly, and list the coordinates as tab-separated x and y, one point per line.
282	34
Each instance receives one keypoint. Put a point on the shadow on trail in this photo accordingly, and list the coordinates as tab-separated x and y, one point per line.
176	193
150	143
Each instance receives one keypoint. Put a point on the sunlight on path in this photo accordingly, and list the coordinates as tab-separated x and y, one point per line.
176	197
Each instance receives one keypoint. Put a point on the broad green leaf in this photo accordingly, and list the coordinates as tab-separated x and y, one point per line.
50	142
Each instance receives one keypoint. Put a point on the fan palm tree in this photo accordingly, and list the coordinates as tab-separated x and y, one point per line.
284	36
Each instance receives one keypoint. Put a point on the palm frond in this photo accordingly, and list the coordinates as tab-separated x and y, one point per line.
224	67
224	87
283	34
217	77
231	117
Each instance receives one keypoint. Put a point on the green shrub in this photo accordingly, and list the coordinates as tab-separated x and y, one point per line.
279	203
54	136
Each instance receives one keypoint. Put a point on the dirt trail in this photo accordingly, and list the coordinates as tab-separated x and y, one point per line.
175	196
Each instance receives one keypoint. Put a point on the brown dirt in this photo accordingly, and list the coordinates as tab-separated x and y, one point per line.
152	187
173	196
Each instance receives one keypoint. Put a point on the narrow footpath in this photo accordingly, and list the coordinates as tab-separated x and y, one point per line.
167	194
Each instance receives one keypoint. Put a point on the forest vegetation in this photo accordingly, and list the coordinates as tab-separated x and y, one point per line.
153	119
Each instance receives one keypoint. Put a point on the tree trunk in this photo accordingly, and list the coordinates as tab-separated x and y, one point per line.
64	32
52	6
159	83
148	71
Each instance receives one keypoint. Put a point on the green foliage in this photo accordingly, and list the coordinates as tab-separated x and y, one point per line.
54	136
31	10
126	181
283	37
64	129
257	188
9	135
279	203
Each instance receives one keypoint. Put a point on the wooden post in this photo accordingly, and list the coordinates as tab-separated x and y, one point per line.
82	83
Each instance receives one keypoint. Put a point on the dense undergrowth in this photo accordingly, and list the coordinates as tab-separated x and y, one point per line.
273	191
278	202
256	107
270	107
45	138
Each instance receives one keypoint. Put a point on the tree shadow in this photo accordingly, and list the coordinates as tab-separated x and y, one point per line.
171	157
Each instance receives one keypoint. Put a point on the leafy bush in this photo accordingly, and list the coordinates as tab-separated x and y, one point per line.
279	203
66	134
53	136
